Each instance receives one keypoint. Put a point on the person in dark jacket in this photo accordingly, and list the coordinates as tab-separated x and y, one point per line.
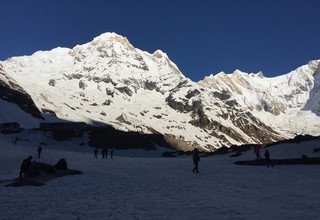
103	152
39	151
267	158
106	153
111	153
196	160
95	155
256	150
24	168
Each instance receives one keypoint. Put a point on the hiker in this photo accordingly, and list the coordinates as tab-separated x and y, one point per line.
95	153
267	158
24	168
196	160
111	153
103	152
256	150
39	151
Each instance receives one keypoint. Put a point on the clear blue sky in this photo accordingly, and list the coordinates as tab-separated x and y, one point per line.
201	36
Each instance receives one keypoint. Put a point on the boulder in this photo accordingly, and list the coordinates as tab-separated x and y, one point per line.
40	173
61	165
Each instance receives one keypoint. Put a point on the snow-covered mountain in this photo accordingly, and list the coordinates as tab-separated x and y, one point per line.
16	104
108	80
289	104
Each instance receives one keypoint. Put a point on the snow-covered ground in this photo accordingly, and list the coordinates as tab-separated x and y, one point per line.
138	186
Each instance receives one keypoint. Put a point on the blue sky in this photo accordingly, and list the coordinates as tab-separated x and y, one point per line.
201	36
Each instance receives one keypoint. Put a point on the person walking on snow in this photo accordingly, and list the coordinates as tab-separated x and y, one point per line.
39	151
196	160
267	158
256	150
95	153
111	153
106	153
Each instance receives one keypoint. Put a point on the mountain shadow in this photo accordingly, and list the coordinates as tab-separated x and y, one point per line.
104	135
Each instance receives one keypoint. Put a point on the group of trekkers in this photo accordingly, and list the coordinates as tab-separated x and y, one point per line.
104	153
256	150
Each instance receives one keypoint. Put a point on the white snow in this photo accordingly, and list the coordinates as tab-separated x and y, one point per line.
145	187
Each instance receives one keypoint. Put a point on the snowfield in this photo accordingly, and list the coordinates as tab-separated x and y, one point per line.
143	185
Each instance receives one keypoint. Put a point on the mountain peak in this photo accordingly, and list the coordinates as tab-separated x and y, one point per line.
314	65
159	54
238	72
258	74
111	37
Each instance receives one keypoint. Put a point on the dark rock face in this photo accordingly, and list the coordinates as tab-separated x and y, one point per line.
76	76
52	82
15	94
192	93
109	92
222	96
48	111
150	85
108	80
125	90
107	102
180	105
200	118
82	85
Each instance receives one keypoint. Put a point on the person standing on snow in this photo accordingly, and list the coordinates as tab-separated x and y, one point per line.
196	160
256	150
111	153
267	158
95	153
39	151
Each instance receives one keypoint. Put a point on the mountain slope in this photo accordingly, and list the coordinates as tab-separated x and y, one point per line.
108	80
281	102
16	104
